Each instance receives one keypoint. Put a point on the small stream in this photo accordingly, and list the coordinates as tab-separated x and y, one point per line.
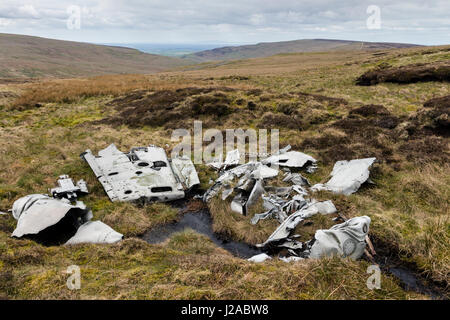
409	279
410	282
201	222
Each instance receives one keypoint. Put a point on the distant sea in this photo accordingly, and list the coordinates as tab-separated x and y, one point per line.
171	50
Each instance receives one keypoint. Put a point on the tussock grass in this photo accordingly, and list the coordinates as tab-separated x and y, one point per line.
412	210
187	266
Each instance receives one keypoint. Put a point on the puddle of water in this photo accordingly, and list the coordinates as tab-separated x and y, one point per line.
411	282
200	222
408	279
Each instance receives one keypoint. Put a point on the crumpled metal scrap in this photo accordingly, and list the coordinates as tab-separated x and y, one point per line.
288	225
143	174
95	232
60	219
67	189
251	175
347	176
346	239
47	219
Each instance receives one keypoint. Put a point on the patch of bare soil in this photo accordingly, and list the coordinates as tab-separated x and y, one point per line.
280	120
406	74
167	107
436	115
426	149
371	131
370	110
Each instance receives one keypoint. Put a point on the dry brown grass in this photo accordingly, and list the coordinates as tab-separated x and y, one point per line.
66	91
72	90
187	266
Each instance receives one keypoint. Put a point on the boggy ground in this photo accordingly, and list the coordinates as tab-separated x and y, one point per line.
312	98
406	74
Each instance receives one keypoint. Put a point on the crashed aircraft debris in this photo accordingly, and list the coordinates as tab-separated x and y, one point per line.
290	259
67	189
232	159
48	220
95	232
296	178
347	176
60	219
294	159
346	239
250	187
291	205
184	170
53	221
288	225
260	258
279	208
145	173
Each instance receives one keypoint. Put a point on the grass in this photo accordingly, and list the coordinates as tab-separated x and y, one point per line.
412	207
408	204
187	266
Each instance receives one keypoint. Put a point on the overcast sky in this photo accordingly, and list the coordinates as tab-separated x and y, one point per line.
228	21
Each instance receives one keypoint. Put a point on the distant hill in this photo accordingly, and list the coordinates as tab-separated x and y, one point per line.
266	49
31	57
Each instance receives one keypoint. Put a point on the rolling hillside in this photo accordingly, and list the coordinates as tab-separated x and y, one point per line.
33	57
271	48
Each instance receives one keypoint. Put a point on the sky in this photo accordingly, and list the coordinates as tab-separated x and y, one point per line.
228	21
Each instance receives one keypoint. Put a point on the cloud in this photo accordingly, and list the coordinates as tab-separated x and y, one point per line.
231	20
28	11
257	19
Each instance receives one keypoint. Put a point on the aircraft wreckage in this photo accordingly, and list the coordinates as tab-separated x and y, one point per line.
293	204
145	174
61	218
